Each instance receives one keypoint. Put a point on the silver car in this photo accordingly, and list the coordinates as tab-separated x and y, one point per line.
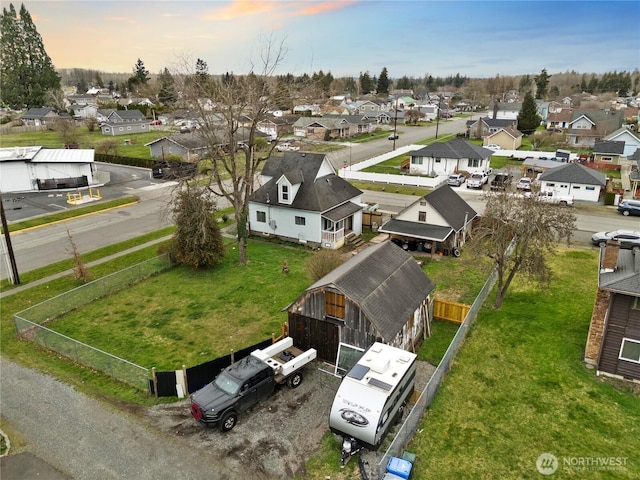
625	238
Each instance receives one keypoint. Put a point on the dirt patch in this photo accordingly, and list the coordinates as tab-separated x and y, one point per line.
274	439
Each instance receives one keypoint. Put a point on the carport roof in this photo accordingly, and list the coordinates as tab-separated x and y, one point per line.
425	231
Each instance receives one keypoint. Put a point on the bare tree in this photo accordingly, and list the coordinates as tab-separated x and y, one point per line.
223	107
533	225
80	271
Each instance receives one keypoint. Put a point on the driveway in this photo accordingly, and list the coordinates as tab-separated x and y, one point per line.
86	439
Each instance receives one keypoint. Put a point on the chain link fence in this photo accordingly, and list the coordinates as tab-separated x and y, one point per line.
410	425
30	322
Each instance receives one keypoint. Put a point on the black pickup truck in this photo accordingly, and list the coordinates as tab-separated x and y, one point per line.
247	382
501	181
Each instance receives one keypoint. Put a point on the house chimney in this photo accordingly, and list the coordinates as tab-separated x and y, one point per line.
609	257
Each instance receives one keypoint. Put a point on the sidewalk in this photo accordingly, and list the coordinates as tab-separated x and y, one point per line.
35	283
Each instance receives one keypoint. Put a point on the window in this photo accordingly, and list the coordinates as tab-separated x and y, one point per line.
473	162
261	216
334	304
300	221
591	189
576	187
438	160
423	202
416	160
422	216
285	193
635	305
630	350
606	159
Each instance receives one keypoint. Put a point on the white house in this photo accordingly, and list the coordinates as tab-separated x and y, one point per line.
302	200
456	155
26	169
630	139
583	183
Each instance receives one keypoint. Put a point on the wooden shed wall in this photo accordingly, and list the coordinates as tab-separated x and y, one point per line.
622	322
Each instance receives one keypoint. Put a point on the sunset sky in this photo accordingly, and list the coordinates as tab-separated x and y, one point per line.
347	37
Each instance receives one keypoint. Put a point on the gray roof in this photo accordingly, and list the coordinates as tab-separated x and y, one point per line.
456	149
38	112
189	141
574	173
316	194
385	282
444	200
626	277
606	120
614	147
493	122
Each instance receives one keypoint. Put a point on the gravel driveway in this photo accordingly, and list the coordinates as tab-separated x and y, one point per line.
87	439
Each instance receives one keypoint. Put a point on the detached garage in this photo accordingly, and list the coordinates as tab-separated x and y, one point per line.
380	294
28	169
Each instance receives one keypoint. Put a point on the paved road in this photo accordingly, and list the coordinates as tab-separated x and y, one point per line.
85	439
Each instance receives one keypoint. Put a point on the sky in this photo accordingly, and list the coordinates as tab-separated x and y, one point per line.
477	39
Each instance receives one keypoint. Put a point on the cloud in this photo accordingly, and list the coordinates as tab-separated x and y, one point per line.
323	7
129	21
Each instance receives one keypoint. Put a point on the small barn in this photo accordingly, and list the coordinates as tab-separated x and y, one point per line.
379	294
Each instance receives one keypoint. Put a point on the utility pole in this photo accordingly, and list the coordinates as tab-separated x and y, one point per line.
13	274
395	124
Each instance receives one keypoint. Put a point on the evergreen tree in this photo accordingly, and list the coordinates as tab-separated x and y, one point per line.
383	82
366	84
140	73
25	68
202	69
528	118
167	94
404	83
542	83
197	241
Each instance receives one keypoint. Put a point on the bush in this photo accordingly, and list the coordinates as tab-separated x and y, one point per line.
322	263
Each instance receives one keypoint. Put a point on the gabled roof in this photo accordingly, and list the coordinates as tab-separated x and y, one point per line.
512	131
385	282
318	192
493	122
38	112
626	277
189	141
608	147
606	120
574	173
455	211
128	114
456	149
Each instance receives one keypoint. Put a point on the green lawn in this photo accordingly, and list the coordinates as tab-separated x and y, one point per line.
518	388
127	145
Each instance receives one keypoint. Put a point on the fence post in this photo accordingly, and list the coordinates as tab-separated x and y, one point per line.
154	379
232	356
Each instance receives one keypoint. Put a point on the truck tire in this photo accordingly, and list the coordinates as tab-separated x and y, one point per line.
295	380
228	421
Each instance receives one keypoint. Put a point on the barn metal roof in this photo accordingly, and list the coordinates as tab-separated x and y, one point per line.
385	282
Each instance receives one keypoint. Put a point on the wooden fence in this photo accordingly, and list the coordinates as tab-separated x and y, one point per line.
451	311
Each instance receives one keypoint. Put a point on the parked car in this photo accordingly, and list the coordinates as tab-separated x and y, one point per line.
477	180
501	181
629	207
624	237
524	184
393	136
494	147
456	180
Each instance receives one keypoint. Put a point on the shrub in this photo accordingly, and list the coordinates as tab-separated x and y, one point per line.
322	263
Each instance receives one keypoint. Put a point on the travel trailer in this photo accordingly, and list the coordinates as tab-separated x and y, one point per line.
372	397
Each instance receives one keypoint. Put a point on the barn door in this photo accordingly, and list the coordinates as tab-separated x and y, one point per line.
313	333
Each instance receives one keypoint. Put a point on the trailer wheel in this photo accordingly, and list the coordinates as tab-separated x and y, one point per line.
228	421
295	380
